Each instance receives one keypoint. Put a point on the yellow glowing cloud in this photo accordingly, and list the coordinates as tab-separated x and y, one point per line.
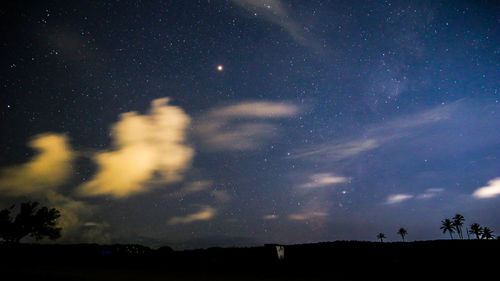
206	213
147	147
49	168
71	210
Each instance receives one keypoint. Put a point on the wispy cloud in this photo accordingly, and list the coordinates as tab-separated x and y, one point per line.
205	213
377	135
397	198
338	151
322	180
243	126
430	193
49	168
492	189
275	12
270	217
307	216
190	188
146	146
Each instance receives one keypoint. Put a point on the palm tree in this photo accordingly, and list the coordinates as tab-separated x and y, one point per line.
402	232
381	236
458	221
487	233
476	229
448	226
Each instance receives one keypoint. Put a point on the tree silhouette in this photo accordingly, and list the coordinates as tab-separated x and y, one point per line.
487	233
458	222
381	236
447	225
29	221
403	233
476	229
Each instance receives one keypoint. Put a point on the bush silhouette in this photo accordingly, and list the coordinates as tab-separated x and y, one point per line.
29	221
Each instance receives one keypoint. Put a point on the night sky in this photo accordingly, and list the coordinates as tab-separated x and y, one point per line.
243	122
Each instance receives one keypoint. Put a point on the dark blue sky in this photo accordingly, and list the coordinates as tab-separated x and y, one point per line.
326	120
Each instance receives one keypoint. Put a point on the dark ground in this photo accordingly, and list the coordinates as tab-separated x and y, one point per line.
341	260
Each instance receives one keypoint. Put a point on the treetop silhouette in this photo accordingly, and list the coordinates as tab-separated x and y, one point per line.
402	232
381	236
30	221
447	226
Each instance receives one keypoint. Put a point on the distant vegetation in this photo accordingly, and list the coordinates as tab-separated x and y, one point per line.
30	221
456	223
453	225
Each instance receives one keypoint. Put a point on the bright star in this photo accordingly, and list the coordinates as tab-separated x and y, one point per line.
220	68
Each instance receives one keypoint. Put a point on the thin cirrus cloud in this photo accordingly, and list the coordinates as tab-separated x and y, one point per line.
205	213
307	215
275	12
430	193
377	135
190	188
397	198
427	194
242	126
270	217
322	180
48	169
147	147
492	189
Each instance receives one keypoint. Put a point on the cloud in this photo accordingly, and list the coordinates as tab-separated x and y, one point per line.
257	110
221	196
489	191
377	135
71	210
307	216
398	198
338	151
430	193
190	188
243	126
147	147
205	213
322	180
270	217
49	168
275	12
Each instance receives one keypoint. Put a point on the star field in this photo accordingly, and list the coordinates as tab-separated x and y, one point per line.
243	122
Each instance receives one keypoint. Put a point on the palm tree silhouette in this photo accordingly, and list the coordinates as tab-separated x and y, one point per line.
487	233
458	222
402	232
381	236
476	229
447	225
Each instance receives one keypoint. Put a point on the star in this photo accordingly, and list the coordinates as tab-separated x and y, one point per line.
220	68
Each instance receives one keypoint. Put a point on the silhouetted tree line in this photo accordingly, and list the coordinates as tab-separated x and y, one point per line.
456	223
451	226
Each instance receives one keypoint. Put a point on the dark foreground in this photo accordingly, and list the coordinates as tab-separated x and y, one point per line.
341	260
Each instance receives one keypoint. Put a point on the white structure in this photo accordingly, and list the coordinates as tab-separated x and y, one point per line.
281	252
